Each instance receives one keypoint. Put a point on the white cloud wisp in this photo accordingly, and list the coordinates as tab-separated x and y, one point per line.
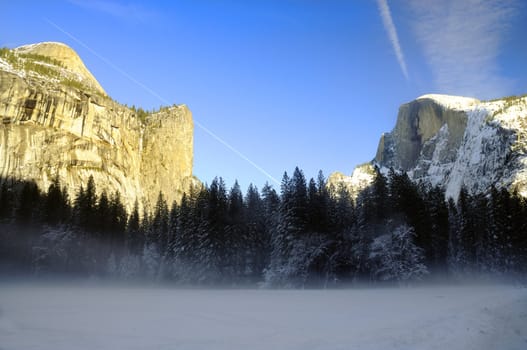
387	21
461	42
128	11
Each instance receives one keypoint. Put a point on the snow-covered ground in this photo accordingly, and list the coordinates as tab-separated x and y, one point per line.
73	317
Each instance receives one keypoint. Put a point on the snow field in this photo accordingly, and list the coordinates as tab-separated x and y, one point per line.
74	317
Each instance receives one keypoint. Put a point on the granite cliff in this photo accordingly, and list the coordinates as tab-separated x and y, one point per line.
56	120
453	142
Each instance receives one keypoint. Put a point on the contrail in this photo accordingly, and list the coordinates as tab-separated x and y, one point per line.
165	101
387	20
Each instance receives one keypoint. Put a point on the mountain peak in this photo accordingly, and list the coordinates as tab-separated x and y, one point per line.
456	142
66	56
451	101
56	122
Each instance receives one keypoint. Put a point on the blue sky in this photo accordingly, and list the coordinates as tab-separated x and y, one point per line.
308	83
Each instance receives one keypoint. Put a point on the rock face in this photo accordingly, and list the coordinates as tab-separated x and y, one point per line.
50	129
67	57
362	177
455	141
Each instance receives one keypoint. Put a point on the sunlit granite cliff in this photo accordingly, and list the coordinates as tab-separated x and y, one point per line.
56	120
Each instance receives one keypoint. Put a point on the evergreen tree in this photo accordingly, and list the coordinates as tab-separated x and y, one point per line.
159	233
271	203
257	231
313	222
288	236
134	236
185	245
102	216
118	220
213	237
409	203
85	206
28	203
317	205
342	211
518	240
395	257
56	206
280	237
7	201
237	240
298	207
466	235
437	210
380	198
480	222
172	230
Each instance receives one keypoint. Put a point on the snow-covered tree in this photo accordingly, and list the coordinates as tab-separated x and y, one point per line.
395	257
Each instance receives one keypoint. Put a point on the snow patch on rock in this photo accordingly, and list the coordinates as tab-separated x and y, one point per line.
449	101
466	143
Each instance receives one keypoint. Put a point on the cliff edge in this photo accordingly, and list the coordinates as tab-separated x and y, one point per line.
456	142
56	120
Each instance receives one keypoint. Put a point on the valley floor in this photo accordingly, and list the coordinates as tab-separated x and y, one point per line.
89	317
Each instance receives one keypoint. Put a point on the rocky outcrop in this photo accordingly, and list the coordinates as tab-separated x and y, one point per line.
167	153
453	142
68	59
362	177
50	129
418	122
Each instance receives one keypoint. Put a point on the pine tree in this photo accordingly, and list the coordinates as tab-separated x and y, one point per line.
159	234
118	220
342	214
408	201
290	233
317	205
466	235
213	237
280	238
28	203
172	230
518	240
185	247
56	207
312	210
271	205
380	199
134	236
6	201
237	241
102	216
437	210
453	234
480	222
258	250
395	257
85	206
298	206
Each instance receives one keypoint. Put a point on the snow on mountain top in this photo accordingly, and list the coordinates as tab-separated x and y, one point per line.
449	101
29	47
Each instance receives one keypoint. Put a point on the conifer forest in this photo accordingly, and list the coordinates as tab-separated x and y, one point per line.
306	235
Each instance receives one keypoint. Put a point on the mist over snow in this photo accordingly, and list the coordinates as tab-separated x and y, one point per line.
90	317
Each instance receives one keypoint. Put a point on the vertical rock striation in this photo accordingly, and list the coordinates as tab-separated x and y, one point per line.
53	129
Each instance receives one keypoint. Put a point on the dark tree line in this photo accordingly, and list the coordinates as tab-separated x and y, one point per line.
309	234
